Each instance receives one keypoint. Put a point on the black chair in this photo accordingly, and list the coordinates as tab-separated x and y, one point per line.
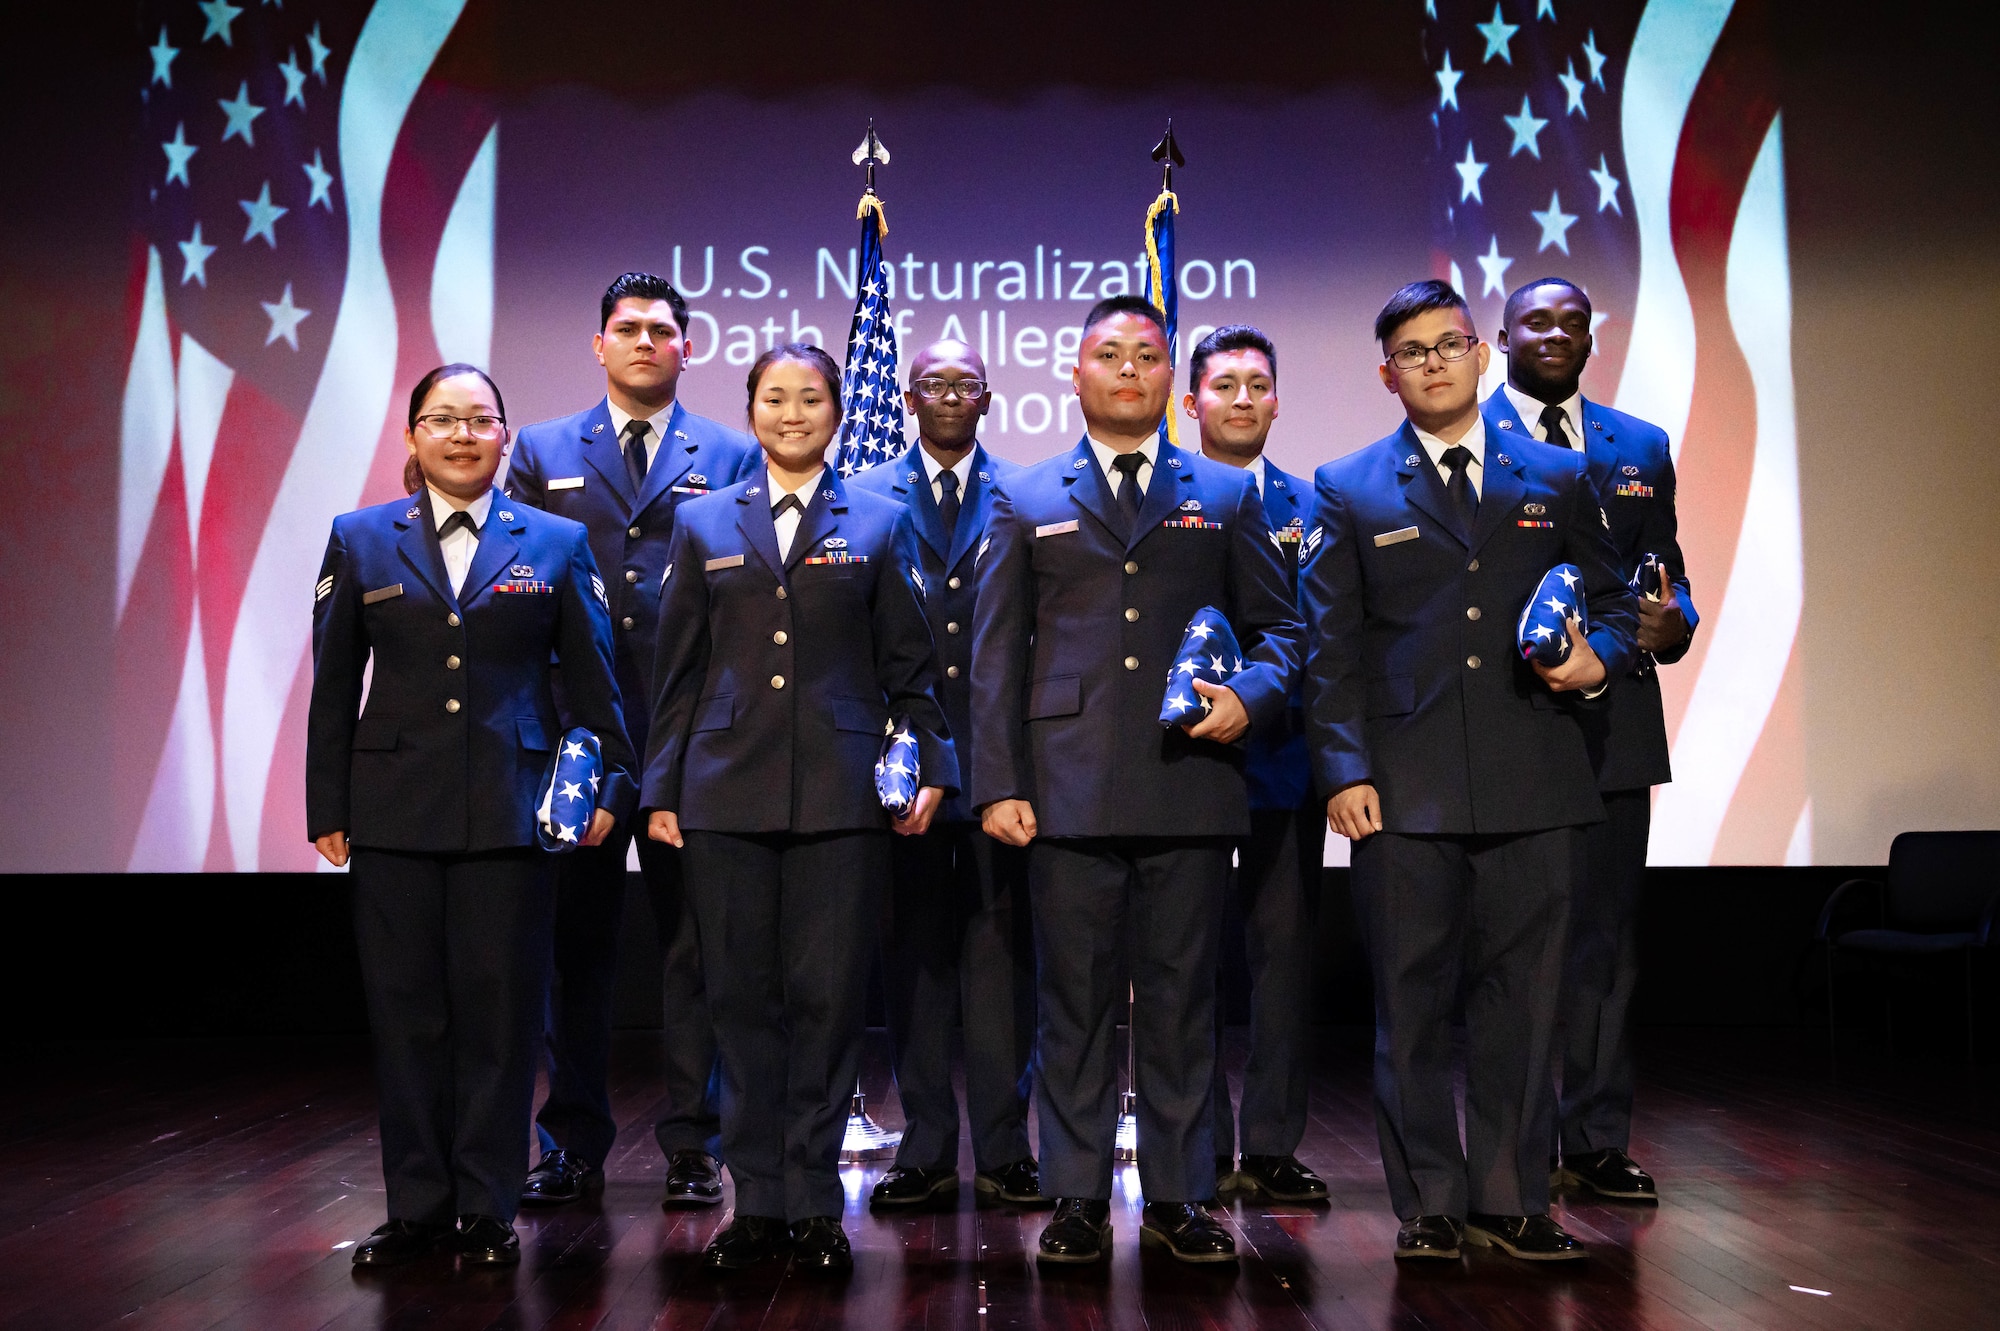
1940	897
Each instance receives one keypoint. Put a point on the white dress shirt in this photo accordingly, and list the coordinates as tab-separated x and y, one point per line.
1256	468
787	522
1530	411
934	469
459	546
620	419
1114	478
1474	443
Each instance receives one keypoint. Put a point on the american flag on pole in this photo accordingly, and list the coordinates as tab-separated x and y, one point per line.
1637	149
872	430
315	232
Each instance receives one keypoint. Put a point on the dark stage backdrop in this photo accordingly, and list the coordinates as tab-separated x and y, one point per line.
309	205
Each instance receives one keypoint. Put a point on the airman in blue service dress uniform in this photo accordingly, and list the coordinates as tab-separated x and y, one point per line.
622	469
1099	558
1457	769
1547	340
1233	398
462	598
957	942
790	638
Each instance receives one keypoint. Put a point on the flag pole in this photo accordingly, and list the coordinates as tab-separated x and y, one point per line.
1162	284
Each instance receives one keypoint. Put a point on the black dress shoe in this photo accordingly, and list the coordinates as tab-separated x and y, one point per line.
1532	1238
913	1187
1187	1231
1610	1173
1019	1183
559	1178
399	1241
820	1244
1429	1237
1080	1232
485	1240
694	1178
746	1241
1281	1178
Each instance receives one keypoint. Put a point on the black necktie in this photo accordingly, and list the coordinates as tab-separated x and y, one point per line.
1555	427
460	519
635	453
1127	466
788	504
1459	484
948	505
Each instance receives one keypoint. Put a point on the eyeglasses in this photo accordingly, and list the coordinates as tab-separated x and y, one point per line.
936	390
440	426
1450	347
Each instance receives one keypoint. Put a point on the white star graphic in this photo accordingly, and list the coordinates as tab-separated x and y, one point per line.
178	153
571	790
1527	129
594	779
1448	84
220	15
194	258
1607	187
319	51
1498	34
564	832
1555	224
572	749
1541	632
1495	268
263	216
241	112
1178	701
1595	57
295	80
1186	668
1546	9
1573	90
899	767
1469	172
1569	578
163	59
1215	664
322	182
1557	606
1202	631
1597	318
285	318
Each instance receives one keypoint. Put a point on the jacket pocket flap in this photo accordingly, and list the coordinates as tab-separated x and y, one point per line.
1058	695
533	736
1392	695
374	733
717	713
860	714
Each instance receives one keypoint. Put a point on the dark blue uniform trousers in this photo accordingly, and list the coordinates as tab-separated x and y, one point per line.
1602	972
787	924
454	960
1100	904
1485	917
956	944
590	909
1275	889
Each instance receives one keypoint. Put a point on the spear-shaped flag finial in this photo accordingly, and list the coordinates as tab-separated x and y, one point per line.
871	152
1167	153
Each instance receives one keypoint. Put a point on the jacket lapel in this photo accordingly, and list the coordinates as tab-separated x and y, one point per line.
1422	488
495	551
913	483
1281	498
1600	446
1163	496
420	549
972	506
602	450
1501	489
1087	487
821	518
675	458
753	519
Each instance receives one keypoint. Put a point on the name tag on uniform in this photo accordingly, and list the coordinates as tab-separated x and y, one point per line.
1054	528
1396	537
566	483
382	593
727	561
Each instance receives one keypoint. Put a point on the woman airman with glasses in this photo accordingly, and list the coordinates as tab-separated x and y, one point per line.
459	601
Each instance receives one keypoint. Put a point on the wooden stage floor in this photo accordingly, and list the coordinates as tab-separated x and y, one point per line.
213	1184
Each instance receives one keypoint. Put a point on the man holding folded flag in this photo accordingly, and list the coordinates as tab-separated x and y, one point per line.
1457	767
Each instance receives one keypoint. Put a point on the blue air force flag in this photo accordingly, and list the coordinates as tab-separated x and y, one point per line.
1543	631
898	774
569	792
1208	652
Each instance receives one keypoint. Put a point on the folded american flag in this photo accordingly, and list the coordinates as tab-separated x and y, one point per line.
1209	652
898	774
1646	578
569	792
1543	632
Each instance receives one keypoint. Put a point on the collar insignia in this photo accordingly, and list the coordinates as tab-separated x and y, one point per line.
505	516
828	494
414	512
680	434
1506	424
1081	463
987	477
597	428
1504	460
1277	482
912	479
754	490
1173	462
1410	461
